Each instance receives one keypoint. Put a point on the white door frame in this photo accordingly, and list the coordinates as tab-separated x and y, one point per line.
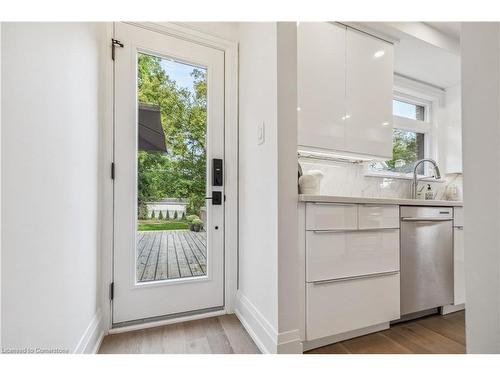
230	49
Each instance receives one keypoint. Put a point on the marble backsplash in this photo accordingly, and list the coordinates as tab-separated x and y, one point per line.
349	179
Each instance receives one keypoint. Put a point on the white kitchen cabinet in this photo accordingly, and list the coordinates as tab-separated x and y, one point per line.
458	256
458	217
341	306
345	85
458	265
331	216
375	216
333	255
351	269
321	77
369	91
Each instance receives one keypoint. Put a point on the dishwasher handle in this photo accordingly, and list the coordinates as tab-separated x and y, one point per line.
426	219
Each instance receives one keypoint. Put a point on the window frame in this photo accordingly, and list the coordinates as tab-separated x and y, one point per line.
425	127
417	126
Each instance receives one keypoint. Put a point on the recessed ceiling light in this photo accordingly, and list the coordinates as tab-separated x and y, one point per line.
379	54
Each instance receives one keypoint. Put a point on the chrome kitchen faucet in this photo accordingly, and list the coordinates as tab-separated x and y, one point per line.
414	184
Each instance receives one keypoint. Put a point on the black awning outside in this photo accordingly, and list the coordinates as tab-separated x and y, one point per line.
151	134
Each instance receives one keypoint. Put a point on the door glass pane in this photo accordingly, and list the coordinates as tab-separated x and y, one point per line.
171	169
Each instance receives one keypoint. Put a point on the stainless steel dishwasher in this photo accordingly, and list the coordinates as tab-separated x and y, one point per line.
426	258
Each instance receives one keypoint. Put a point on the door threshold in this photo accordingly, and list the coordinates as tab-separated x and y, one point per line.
134	325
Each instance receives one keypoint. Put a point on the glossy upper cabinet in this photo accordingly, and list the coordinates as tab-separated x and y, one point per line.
345	85
369	87
321	78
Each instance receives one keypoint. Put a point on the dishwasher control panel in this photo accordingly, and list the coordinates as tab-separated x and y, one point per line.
415	212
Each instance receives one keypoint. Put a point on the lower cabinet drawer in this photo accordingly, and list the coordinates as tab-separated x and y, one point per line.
378	216
327	216
333	255
347	305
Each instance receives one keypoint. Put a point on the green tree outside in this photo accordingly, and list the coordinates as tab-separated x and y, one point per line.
405	151
181	172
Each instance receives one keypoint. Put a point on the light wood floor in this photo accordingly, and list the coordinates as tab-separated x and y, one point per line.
434	334
219	335
225	334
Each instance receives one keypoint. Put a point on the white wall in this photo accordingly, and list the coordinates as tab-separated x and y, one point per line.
0	184
449	131
50	138
481	153
454	129
268	253
258	171
289	262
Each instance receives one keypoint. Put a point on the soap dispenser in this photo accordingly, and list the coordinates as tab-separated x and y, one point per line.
429	194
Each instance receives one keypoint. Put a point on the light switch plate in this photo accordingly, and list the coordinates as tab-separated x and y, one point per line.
261	133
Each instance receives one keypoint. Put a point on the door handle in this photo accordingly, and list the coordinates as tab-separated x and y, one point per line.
426	219
349	278
333	204
216	198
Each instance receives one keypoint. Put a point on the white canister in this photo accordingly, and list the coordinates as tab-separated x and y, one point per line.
310	182
452	193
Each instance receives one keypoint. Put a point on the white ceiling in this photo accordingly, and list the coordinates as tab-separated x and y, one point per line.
451	29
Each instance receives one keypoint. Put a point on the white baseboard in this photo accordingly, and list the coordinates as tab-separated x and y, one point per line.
262	332
98	343
448	309
289	342
257	326
92	337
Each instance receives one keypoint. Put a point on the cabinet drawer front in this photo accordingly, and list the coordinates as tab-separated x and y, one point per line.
328	216
343	306
373	216
334	255
458	216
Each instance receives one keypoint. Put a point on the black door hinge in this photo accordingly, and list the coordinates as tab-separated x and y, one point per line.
113	171
114	44
111	291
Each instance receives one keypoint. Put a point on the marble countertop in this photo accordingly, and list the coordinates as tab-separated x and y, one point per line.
402	202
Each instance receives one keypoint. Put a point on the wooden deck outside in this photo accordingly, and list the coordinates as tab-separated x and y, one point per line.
171	254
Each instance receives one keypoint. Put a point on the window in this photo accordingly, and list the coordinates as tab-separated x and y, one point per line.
408	110
407	147
409	139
